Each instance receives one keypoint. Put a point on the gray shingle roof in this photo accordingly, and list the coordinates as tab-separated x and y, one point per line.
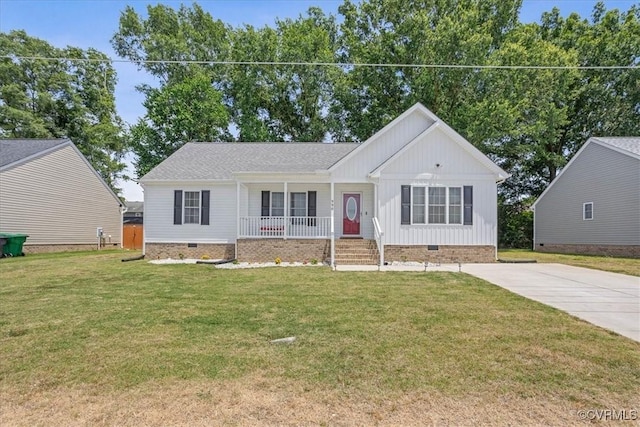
627	143
13	150
204	161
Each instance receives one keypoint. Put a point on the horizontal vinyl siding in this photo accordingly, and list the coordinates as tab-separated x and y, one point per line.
323	196
379	150
482	232
611	181
158	215
58	199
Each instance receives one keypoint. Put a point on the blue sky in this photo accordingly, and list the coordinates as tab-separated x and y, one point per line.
92	23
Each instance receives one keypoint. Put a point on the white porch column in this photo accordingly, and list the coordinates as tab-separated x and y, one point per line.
286	216
237	216
375	200
333	227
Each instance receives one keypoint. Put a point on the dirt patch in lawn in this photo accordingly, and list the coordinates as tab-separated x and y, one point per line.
259	401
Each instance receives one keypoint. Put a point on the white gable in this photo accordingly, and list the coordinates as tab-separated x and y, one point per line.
434	153
356	166
395	147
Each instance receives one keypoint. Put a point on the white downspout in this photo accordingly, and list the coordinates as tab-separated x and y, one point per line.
237	217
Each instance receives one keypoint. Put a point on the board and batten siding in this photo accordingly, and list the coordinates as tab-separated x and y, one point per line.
438	161
57	199
482	232
158	215
608	179
369	157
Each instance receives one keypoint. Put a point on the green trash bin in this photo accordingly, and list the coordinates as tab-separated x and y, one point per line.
13	244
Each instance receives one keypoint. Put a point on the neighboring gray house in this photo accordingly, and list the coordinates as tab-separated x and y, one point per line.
593	205
416	190
49	191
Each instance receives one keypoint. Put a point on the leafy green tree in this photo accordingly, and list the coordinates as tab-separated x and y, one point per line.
181	111
284	102
62	98
525	111
457	32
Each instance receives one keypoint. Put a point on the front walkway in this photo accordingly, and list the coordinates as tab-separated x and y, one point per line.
609	300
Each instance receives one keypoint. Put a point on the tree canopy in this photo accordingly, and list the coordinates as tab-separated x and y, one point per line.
62	99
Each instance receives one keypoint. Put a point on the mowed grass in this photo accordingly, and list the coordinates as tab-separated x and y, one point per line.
630	266
71	322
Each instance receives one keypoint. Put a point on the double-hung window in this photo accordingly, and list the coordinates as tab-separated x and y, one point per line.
419	205
298	204
437	205
277	203
587	211
191	207
455	205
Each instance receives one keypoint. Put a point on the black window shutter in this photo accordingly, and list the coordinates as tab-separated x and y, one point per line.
312	206
311	203
265	203
468	205
204	212
177	207
405	203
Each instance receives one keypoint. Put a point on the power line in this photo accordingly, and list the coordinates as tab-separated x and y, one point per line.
329	64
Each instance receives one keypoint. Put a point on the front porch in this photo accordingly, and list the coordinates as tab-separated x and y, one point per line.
283	219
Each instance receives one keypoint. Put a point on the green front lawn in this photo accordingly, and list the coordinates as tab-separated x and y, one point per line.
89	320
629	266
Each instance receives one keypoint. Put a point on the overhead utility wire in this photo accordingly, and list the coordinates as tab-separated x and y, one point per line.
332	64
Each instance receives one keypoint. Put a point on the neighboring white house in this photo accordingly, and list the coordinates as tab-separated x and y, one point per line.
416	190
593	205
49	191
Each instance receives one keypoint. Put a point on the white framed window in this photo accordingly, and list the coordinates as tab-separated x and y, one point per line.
587	211
455	205
298	204
277	203
191	207
437	205
419	205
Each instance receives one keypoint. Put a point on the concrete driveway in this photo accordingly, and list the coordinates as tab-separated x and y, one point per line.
609	300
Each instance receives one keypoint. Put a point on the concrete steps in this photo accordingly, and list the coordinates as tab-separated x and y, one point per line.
356	252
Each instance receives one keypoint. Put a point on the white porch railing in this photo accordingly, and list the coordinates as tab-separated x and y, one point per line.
290	227
379	234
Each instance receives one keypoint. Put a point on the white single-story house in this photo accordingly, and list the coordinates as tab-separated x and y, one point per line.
414	191
49	191
593	205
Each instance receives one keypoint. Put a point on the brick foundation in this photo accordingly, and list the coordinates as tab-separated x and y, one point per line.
40	249
630	251
444	254
289	250
175	250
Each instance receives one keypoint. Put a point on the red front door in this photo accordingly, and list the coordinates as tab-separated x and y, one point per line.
351	214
